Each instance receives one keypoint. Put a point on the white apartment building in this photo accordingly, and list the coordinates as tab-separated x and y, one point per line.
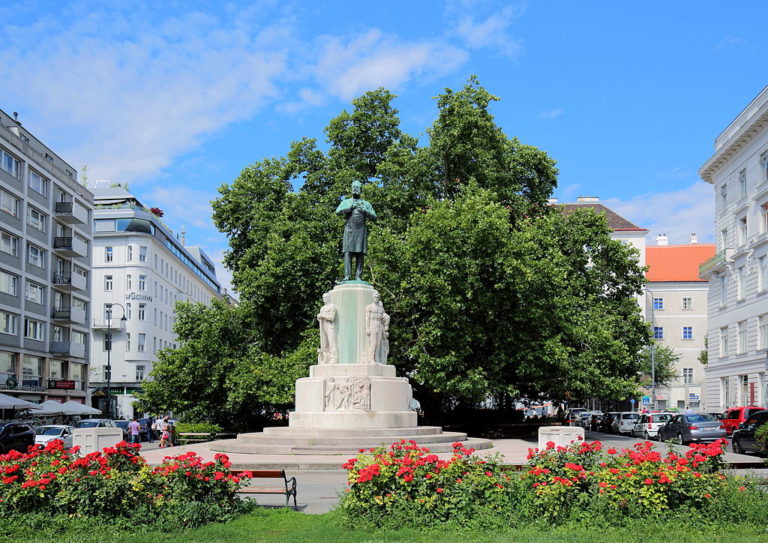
45	238
676	307
738	273
140	271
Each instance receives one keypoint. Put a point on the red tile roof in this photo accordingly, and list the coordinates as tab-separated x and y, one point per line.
615	221
676	262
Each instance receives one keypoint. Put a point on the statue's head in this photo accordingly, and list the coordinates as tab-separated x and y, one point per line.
376	297
327	297
357	188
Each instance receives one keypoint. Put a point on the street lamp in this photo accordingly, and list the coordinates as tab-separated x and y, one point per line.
109	352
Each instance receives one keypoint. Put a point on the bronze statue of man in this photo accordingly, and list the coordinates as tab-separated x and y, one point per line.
357	212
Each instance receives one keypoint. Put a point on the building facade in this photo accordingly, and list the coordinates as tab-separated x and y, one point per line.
140	271
676	307
738	273
45	270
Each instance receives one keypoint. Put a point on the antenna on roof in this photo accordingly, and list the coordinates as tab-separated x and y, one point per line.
16	116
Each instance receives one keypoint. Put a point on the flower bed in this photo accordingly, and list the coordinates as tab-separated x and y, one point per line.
116	483
405	485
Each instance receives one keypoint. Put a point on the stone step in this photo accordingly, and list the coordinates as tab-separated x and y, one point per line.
395	433
320	449
348	442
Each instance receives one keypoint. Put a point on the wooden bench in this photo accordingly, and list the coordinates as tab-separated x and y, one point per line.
194	437
288	489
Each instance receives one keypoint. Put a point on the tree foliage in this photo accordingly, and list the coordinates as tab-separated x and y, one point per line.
491	290
664	364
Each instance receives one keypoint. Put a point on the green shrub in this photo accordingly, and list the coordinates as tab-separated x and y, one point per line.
761	435
197	427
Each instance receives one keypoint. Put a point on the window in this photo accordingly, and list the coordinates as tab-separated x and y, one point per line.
9	323
743	183
129	253
658	332
35	256
764	218
77	374
763	335
142	254
142	340
740	283
742	231
140	373
764	273
107	283
35	293
36	219
9	204
127	342
56	369
687	332
724	347
9	163
80	338
155	317
108	254
58	333
34	330
658	303
32	371
9	284
128	310
760	273
723	238
142	311
38	183
723	197
9	243
128	282
154	344
687	376
142	282
723	290
741	346
687	303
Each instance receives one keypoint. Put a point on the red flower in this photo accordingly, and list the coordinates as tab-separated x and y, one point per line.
439	490
648	481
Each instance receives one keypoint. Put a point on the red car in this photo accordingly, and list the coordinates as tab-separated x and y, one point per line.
736	415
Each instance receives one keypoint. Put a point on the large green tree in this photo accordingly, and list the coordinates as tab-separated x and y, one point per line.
492	291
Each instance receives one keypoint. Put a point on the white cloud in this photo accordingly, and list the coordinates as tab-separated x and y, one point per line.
126	96
492	31
551	114
183	206
677	213
673	173
348	67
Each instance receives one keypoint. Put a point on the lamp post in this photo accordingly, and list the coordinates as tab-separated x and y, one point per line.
653	352
110	410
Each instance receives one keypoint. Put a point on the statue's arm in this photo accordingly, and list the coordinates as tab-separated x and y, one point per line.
369	211
345	207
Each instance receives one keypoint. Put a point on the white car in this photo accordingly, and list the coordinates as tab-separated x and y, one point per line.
625	422
648	425
44	434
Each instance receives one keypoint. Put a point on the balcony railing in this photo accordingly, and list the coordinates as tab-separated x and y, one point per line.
69	281
70	246
69	315
69	213
712	264
68	348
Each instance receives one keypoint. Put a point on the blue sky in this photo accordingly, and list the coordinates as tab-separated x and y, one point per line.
175	100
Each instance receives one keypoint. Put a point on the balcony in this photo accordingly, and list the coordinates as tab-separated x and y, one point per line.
70	246
69	213
100	323
69	315
716	263
70	281
68	348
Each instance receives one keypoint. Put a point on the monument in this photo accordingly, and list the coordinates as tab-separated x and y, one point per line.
352	397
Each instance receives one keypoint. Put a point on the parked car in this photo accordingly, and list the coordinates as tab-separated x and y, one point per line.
573	415
100	423
744	438
606	424
625	422
735	416
686	428
585	418
718	416
123	425
648	425
16	436
44	434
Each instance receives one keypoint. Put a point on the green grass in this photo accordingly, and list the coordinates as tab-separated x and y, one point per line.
288	526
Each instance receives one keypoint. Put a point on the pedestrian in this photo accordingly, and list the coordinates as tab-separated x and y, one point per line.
165	432
135	428
150	430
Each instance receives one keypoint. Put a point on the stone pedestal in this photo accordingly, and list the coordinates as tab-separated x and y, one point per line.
561	436
95	439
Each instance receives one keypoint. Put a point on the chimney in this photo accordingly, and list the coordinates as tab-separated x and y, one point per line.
694	238
662	239
183	236
587	200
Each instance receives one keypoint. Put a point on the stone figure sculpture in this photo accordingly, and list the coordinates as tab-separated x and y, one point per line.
357	212
348	394
376	326
361	394
328	352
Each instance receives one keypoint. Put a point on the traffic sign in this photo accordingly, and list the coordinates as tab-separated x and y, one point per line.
646	400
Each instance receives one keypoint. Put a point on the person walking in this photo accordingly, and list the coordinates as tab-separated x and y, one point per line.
165	432
135	429
150	430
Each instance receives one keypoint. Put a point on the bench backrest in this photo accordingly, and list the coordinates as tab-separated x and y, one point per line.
268	474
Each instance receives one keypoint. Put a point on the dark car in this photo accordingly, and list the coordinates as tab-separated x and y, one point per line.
16	436
692	427
744	440
123	425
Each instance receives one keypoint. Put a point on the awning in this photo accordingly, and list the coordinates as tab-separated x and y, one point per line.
9	402
49	408
77	408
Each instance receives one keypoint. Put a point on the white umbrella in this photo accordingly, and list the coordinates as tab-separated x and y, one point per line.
77	408
50	407
9	402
